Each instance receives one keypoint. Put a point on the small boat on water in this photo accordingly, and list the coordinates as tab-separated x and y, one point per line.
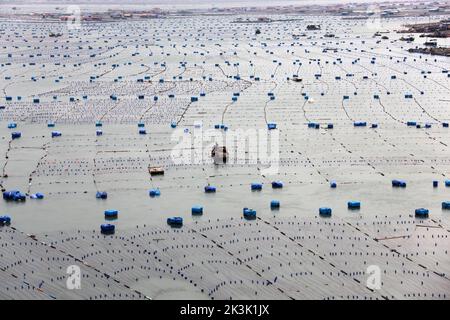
156	171
219	154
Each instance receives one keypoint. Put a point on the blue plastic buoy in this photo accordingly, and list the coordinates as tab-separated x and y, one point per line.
175	221
277	184
354	205
111	214
422	213
56	134
16	135
5	220
446	205
210	189
325	212
37	195
398	183
101	195
107	228
14	195
249	214
333	184
274	204
271	126
256	186
435	183
197	210
154	193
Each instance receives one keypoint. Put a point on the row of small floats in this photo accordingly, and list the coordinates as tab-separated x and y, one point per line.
316	125
270	126
250	214
18	196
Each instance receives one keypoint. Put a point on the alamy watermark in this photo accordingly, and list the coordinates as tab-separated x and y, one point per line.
73	281
73	17
260	147
374	277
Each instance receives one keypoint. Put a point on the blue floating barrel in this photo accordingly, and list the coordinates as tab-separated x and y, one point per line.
99	132
447	183
422	213
14	195
277	184
175	221
427	125
445	124
398	183
354	205
194	99
374	125
56	134
256	186
274	204
325	212
249	214
16	135
107	228
141	97
197	210
51	125
37	195
142	131
210	189
202	94
12	125
36	100
345	97
98	124
271	126
111	214
154	193
360	124
411	123
330	126
101	195
141	125
5	220
446	205
435	183
173	125
333	184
